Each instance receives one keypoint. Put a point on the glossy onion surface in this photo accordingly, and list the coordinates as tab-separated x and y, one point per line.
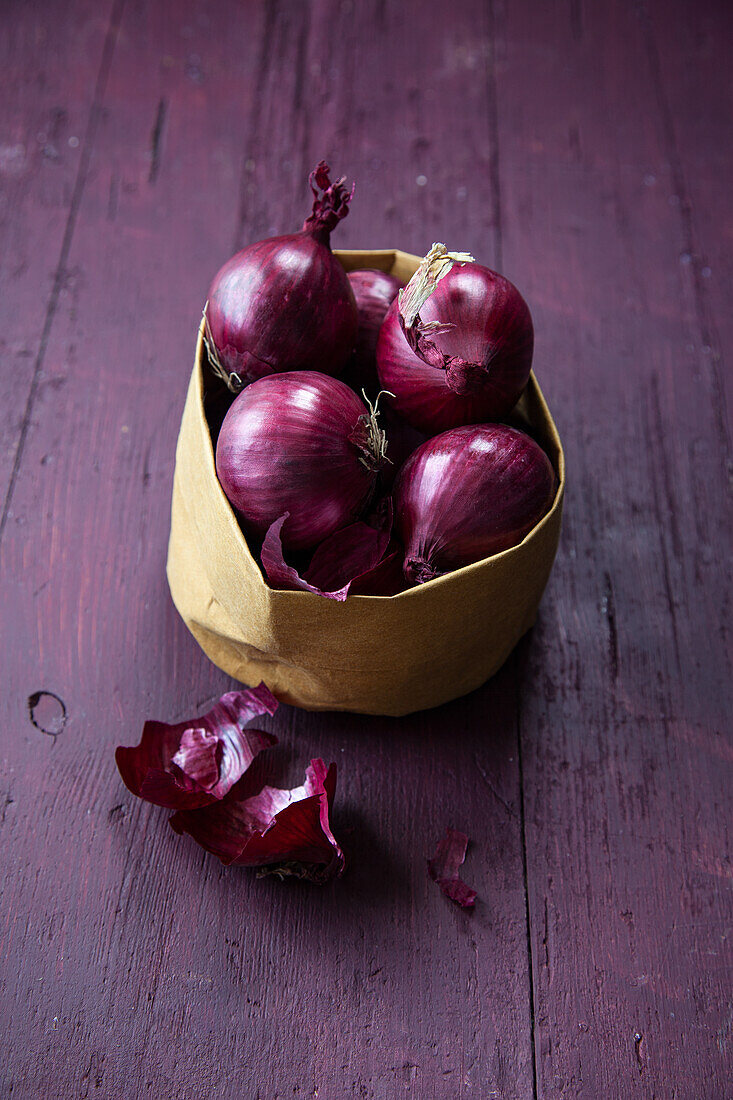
296	443
285	303
485	359
469	493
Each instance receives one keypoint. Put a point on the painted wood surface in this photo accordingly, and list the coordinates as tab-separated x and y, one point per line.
626	756
584	150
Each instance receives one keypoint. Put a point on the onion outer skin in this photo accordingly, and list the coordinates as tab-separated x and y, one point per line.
469	493
296	442
285	303
471	371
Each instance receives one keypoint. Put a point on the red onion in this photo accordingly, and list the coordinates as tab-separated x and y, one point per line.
457	347
285	303
348	556
402	440
469	493
374	292
302	443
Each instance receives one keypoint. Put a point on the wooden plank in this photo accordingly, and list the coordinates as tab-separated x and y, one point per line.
689	55
625	756
130	959
49	111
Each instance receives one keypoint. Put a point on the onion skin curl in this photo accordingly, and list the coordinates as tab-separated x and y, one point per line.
465	356
301	443
467	494
285	303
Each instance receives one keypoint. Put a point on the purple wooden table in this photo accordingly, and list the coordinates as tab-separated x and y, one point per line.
585	150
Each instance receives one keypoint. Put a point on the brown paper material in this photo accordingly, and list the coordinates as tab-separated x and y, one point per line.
374	655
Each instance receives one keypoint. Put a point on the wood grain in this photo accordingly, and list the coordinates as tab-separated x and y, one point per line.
626	765
48	113
158	969
584	150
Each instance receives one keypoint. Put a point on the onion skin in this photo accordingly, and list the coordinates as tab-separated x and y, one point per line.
285	303
386	578
194	763
374	292
444	866
467	494
471	353
297	443
349	555
283	832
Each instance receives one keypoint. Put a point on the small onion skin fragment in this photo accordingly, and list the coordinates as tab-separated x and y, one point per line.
348	555
386	578
285	303
299	443
374	292
467	494
470	374
284	577
444	866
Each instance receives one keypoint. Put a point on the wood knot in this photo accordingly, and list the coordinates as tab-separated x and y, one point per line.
47	712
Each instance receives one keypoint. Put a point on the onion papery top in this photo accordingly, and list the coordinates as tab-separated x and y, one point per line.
466	349
285	303
330	202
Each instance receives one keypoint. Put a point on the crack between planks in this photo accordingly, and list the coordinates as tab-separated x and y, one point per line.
525	878
491	787
666	572
76	197
609	610
300	111
576	20
495	184
156	138
706	329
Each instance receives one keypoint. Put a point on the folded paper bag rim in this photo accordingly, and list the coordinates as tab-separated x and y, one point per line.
386	655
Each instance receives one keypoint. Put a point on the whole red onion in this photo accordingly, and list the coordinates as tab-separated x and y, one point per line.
469	493
285	303
457	347
374	292
301	443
